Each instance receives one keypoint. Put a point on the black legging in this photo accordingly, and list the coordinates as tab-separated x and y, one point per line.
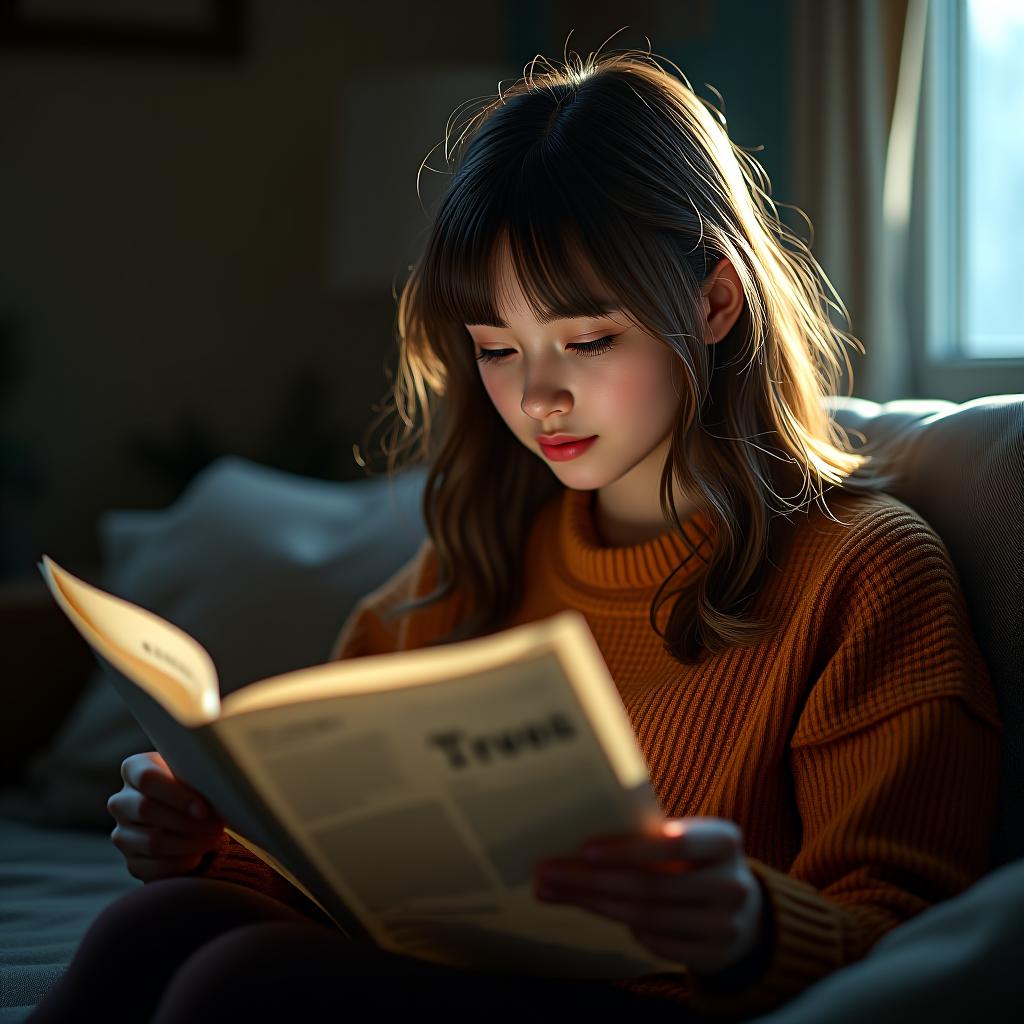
197	949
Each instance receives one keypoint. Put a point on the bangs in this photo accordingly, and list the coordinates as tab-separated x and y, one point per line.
461	279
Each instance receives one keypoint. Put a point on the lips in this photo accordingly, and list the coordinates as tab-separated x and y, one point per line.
567	450
554	439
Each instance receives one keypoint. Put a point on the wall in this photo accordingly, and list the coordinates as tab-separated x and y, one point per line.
173	252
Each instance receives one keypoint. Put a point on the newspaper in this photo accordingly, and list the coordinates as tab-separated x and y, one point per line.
410	795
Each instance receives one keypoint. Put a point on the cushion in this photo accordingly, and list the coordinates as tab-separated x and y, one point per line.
261	566
956	962
961	467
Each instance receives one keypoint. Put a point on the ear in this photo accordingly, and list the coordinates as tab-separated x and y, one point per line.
723	300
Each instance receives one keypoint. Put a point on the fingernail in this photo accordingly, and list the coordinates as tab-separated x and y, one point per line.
197	810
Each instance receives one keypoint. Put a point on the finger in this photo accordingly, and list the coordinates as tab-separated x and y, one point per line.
136	841
700	926
158	759
705	887
138	809
693	841
131	766
154	779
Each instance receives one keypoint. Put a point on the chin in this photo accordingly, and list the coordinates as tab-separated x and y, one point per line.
580	479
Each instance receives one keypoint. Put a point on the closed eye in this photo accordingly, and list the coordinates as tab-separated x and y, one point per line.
588	348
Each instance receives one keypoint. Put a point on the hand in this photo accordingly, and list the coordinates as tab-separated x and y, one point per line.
155	832
686	893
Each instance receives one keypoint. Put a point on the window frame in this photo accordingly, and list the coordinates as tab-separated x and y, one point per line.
935	277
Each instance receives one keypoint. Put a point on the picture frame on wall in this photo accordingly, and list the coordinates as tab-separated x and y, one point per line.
200	28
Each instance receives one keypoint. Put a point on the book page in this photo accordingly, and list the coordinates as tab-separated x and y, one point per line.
427	808
566	633
169	664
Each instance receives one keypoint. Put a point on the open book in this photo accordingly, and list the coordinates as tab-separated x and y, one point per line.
409	795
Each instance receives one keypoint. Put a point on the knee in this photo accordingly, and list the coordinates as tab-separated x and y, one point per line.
184	899
274	946
149	897
268	967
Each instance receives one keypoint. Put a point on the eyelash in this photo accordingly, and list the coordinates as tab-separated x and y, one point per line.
592	348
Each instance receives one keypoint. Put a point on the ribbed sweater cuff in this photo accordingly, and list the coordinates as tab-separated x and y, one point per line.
229	861
806	938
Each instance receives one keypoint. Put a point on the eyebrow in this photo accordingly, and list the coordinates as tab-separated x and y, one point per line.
605	306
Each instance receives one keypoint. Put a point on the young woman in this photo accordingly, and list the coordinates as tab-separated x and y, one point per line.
614	359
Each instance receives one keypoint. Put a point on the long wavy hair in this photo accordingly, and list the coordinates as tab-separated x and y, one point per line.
615	160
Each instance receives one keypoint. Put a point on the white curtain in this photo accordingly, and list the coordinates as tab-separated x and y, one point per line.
857	71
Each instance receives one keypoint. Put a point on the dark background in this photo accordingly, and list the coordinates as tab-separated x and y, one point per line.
202	223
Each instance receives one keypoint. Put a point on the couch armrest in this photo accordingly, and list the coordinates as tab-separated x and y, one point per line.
46	665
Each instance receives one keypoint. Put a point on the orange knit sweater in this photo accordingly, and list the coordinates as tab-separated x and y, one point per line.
857	748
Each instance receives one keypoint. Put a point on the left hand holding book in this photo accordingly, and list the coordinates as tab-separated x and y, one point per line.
158	830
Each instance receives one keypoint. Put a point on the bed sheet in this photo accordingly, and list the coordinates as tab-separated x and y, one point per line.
53	883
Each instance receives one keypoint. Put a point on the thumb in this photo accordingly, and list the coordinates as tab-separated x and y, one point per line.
704	839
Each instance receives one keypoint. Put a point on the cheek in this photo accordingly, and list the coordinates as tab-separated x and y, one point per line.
499	392
639	392
506	398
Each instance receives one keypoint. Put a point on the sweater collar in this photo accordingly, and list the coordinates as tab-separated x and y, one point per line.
640	565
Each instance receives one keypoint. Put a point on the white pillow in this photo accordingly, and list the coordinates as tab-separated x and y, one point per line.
261	566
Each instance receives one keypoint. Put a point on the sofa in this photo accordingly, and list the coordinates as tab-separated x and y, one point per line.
263	567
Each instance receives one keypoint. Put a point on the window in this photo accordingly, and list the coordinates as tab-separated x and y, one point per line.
967	224
993	105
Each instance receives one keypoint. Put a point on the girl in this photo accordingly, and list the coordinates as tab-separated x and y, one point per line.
627	358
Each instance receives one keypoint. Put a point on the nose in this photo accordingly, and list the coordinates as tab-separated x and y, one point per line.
543	401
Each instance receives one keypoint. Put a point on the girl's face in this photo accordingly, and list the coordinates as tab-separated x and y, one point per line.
542	380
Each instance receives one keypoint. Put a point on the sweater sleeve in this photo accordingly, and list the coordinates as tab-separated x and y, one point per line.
895	767
229	861
365	632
